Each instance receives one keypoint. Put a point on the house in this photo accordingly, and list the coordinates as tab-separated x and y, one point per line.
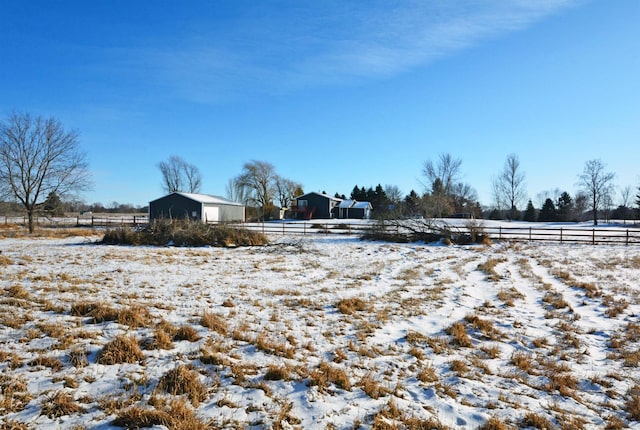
200	207
354	209
322	206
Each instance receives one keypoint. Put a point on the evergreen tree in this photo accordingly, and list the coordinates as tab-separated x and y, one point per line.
548	211
530	212
565	207
53	205
412	204
379	201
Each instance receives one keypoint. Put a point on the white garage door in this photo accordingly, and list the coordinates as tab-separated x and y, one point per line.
211	214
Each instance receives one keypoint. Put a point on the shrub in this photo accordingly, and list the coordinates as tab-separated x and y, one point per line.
184	233
123	349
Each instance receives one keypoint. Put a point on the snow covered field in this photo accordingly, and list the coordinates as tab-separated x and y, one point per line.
319	332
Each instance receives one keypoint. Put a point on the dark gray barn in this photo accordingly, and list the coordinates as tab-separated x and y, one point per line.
201	207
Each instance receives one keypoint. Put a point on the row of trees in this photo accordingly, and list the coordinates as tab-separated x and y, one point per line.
41	165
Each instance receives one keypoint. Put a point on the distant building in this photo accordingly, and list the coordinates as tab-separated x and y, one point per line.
354	209
200	207
322	206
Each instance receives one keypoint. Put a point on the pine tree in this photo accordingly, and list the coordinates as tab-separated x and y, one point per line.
530	213
412	204
548	211
565	207
53	205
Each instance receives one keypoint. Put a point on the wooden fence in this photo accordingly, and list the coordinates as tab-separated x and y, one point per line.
80	221
563	234
593	235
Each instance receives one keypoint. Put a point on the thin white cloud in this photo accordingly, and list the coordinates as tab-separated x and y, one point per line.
326	43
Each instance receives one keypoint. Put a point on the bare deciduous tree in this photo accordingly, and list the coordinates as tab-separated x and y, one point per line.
39	157
597	184
180	176
393	194
285	190
236	192
626	194
446	171
508	187
257	179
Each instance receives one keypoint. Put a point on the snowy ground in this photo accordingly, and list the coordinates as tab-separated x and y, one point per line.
322	332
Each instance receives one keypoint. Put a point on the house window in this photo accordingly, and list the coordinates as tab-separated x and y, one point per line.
303	203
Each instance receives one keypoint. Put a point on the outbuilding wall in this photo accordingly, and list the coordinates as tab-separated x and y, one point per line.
174	206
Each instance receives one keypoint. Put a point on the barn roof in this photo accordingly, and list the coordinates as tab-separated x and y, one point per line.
206	198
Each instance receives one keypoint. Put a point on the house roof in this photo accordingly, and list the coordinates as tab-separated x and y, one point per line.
362	205
206	198
319	194
348	204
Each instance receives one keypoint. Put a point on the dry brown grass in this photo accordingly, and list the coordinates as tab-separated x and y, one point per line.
214	322
182	380
352	305
427	374
176	415
485	326
555	300
122	349
459	335
372	387
53	363
59	404
14	394
266	344
98	312
523	361
160	340
489	268
278	373
495	423
186	332
509	295
326	374
534	420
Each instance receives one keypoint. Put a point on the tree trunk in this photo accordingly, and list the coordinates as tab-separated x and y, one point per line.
30	221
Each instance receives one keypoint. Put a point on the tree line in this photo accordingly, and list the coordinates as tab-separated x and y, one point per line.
42	169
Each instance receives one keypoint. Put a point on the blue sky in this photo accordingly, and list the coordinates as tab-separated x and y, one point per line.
334	93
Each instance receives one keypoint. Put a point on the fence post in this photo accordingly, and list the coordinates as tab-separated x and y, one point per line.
500	232
304	228
593	236
262	227
560	234
627	242
283	228
529	234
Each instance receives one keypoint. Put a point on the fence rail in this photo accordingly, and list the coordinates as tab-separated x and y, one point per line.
563	234
594	235
80	221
